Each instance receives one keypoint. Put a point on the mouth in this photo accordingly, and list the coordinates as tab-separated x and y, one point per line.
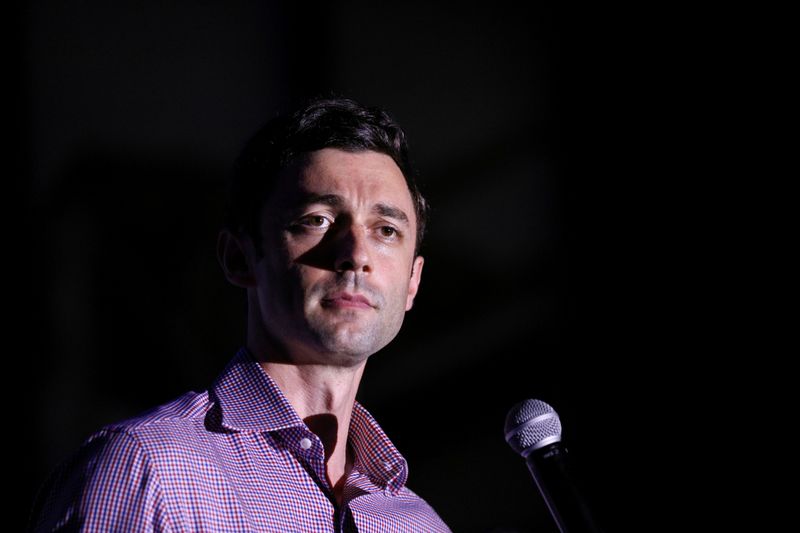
346	300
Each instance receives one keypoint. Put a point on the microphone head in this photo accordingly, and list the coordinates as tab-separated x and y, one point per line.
530	425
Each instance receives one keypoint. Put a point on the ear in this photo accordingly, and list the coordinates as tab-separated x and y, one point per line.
413	284
233	257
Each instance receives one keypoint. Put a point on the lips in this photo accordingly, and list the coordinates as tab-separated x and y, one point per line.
346	300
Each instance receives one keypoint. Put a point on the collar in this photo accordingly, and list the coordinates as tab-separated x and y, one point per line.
251	401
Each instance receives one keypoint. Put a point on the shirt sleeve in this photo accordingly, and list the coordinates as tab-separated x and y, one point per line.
109	484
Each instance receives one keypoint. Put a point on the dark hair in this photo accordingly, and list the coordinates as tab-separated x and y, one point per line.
321	123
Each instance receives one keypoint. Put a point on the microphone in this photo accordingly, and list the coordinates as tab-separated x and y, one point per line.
534	431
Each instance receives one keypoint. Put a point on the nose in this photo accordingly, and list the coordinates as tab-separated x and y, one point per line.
352	250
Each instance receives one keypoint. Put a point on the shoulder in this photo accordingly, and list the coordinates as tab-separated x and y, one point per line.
107	483
183	410
114	480
170	435
171	422
419	512
142	435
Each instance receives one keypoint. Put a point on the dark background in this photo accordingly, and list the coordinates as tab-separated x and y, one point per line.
550	143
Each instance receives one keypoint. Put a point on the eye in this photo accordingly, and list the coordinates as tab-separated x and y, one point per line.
313	222
388	232
316	220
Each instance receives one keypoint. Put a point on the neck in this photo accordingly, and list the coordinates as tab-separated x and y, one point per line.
323	396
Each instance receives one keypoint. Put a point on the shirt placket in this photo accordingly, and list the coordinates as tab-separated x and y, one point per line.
308	449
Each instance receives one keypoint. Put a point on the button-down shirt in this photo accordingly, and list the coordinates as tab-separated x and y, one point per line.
236	457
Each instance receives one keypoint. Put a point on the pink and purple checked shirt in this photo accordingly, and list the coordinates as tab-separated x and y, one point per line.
234	458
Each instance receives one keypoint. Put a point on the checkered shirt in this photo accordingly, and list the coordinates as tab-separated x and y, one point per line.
233	458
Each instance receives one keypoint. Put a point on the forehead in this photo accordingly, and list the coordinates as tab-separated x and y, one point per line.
362	178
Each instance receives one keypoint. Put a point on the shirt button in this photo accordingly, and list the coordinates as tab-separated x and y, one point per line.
305	443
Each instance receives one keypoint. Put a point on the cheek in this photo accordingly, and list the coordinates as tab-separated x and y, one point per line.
284	289
400	281
301	280
309	286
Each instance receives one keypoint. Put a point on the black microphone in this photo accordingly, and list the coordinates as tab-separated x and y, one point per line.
534	431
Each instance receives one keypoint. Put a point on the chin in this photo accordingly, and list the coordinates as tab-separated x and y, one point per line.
349	348
351	342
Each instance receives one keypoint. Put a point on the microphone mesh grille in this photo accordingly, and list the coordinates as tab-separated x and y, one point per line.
531	424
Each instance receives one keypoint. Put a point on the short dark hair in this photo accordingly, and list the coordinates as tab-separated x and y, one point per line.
321	123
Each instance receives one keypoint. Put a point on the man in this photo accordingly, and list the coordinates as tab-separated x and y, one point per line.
323	232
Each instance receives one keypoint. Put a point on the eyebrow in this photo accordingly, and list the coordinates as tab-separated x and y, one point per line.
334	200
386	210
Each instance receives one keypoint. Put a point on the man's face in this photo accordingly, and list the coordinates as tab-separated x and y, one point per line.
339	271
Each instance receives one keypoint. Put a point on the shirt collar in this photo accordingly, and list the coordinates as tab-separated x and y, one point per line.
251	401
376	456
